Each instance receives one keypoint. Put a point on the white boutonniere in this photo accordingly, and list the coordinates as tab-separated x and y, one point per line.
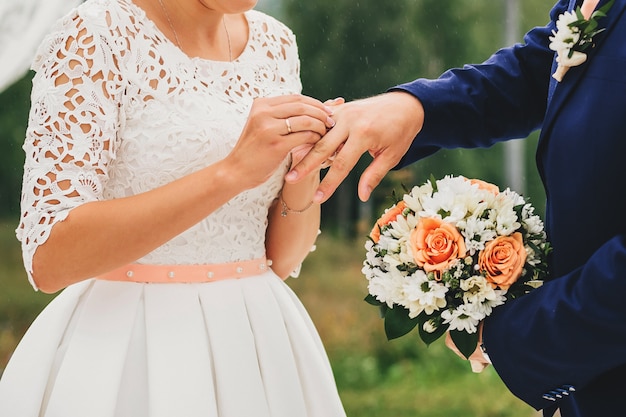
573	36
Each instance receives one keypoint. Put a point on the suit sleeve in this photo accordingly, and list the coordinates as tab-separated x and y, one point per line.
573	329
503	98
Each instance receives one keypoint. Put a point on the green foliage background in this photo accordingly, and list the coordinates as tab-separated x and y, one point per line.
14	104
360	48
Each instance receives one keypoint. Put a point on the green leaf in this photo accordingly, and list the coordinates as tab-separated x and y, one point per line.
465	342
591	26
382	310
370	299
433	183
604	9
429	338
398	323
579	14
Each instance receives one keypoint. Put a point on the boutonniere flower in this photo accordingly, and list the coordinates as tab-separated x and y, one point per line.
573	36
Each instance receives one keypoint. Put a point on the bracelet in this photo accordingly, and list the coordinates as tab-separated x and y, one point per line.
286	209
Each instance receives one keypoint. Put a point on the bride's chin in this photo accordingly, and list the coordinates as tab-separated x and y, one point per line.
229	6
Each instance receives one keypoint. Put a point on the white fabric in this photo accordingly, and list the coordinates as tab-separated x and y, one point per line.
232	348
145	124
139	113
23	25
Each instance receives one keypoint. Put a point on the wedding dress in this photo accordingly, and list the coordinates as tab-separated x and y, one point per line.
143	114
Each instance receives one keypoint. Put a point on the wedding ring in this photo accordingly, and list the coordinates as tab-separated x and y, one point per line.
289	131
328	162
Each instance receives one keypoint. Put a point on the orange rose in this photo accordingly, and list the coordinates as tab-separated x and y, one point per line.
389	216
435	244
503	260
487	186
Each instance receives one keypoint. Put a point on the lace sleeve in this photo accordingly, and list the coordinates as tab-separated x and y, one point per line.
72	127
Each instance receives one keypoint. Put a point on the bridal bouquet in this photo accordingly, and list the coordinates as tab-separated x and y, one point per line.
447	253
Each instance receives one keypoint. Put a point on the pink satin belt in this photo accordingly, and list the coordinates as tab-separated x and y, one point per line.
164	274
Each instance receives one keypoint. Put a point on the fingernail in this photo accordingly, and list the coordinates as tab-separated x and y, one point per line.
330	122
366	192
318	197
328	110
291	175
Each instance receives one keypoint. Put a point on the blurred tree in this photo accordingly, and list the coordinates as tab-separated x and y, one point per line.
359	48
14	105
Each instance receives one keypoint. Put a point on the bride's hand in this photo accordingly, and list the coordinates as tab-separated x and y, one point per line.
276	126
299	152
384	126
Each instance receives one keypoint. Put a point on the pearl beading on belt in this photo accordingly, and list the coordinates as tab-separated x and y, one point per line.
187	273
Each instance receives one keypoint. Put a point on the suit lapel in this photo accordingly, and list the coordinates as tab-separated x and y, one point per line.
559	91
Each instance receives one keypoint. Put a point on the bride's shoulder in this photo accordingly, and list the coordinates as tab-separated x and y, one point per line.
100	16
269	25
93	23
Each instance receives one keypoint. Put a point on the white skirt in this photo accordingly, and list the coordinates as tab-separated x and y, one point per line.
235	348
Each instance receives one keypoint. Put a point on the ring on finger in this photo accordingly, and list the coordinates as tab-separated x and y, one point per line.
329	161
288	123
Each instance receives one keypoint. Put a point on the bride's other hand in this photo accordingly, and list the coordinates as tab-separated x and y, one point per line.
276	126
299	152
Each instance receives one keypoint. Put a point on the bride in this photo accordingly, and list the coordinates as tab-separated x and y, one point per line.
153	195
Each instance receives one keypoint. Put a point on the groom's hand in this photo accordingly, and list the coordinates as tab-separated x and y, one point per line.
383	125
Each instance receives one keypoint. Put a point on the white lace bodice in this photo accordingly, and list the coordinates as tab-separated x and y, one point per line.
139	113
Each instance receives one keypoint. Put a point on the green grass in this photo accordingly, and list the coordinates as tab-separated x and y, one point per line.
19	303
401	378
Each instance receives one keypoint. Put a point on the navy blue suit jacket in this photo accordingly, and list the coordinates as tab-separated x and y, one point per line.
572	330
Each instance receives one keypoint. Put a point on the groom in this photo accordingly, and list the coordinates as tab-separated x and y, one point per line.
564	344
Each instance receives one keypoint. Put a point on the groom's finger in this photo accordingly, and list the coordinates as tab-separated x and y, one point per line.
324	149
373	175
382	163
345	159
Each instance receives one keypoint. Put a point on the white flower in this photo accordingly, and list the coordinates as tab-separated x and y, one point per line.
506	220
400	227
454	197
400	231
413	198
532	223
573	35
388	243
371	256
422	294
476	290
476	232
386	286
461	318
429	326
485	308
565	36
